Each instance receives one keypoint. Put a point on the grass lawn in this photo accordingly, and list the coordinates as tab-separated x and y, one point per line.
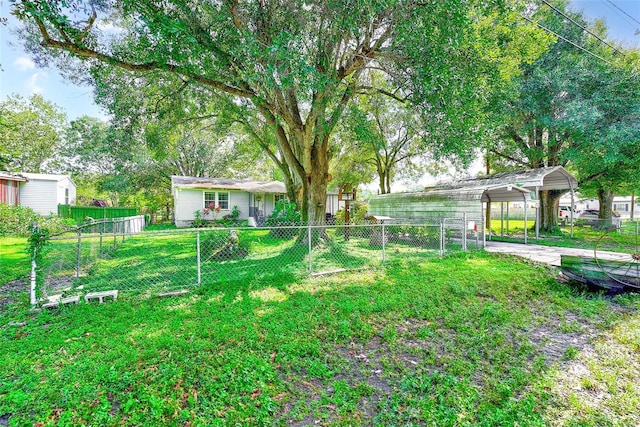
584	237
14	259
470	339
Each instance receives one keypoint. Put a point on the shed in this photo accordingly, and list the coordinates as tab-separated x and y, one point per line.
446	201
44	192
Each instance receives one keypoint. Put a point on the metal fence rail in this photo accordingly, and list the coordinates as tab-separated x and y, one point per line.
119	256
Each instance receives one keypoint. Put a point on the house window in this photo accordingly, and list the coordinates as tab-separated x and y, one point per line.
217	199
279	197
66	196
223	201
209	198
621	207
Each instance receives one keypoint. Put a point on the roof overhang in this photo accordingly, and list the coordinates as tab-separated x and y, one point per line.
228	184
547	178
12	177
489	193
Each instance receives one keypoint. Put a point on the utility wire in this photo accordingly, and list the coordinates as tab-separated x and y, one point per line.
618	7
579	25
566	40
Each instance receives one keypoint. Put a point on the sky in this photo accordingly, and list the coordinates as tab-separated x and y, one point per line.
19	74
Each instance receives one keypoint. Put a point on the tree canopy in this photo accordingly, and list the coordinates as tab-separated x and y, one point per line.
296	65
31	129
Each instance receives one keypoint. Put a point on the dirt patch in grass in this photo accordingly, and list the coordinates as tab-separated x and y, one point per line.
10	292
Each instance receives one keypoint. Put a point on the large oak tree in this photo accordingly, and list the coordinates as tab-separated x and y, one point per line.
295	63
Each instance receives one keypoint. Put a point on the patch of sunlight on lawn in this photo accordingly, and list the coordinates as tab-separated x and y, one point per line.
269	295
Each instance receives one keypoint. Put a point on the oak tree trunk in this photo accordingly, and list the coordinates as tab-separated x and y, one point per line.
549	203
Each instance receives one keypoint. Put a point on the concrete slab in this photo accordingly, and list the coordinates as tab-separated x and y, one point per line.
548	254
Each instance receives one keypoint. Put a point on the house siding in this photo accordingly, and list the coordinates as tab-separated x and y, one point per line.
187	201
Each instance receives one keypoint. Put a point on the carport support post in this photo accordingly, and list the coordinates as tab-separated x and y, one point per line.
441	238
507	217
571	210
501	219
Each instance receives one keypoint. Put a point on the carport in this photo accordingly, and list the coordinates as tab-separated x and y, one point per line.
459	200
534	180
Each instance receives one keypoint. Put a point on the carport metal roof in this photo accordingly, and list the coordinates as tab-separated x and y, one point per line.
482	193
547	178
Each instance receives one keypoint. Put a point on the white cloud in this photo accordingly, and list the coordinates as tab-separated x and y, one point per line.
23	63
32	83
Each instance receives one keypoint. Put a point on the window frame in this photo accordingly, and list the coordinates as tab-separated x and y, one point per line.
214	196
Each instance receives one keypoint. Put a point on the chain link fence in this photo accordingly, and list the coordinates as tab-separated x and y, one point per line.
119	255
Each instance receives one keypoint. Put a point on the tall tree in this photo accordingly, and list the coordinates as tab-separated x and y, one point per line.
297	64
31	130
388	135
551	103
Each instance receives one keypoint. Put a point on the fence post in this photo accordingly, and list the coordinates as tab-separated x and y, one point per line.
198	256
464	231
383	244
32	291
442	238
101	231
79	252
310	246
113	228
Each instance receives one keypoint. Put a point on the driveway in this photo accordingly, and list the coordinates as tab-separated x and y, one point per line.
548	254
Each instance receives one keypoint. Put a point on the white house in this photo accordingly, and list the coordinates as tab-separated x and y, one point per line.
254	199
44	192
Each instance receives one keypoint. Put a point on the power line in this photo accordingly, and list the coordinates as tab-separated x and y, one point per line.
566	40
618	7
617	12
583	28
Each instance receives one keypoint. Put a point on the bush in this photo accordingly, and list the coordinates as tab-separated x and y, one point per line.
223	245
17	221
357	216
284	214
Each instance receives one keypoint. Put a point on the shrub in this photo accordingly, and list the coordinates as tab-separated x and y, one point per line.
358	214
17	221
222	245
284	214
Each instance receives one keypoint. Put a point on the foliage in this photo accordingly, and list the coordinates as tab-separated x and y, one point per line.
296	67
460	347
358	214
286	214
223	246
30	133
18	220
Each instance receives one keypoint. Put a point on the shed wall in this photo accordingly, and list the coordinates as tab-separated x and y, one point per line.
41	196
420	206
